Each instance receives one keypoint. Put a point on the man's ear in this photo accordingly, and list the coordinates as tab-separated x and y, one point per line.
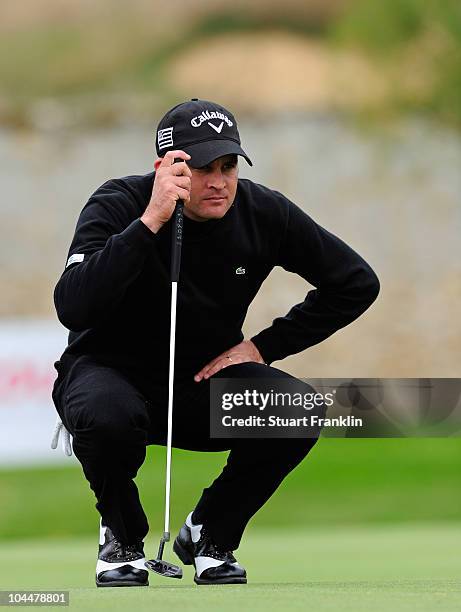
157	163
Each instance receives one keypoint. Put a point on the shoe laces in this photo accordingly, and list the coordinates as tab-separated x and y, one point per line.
218	552
127	552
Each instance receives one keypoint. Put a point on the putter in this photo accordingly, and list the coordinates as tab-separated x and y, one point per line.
158	565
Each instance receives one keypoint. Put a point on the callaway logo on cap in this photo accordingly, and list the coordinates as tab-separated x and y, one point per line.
205	130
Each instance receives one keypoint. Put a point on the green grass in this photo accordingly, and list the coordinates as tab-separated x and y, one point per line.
360	525
388	26
386	31
380	568
342	481
125	53
69	60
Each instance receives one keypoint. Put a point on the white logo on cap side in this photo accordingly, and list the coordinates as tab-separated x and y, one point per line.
165	138
218	128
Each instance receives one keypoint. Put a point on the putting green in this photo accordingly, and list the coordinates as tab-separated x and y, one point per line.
343	481
392	567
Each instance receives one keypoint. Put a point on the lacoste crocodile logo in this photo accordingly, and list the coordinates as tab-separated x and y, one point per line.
240	271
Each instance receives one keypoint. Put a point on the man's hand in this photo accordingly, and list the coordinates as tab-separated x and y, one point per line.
240	353
172	182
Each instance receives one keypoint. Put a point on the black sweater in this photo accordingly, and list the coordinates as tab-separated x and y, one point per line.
115	300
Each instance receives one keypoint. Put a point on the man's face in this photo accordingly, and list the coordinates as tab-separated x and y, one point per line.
213	189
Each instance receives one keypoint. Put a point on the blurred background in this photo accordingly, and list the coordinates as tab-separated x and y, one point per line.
352	108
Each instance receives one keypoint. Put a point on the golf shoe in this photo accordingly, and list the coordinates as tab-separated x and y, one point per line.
119	564
194	546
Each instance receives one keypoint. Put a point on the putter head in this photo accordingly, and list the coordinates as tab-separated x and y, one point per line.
169	570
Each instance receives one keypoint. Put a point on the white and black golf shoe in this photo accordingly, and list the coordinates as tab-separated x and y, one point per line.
119	564
194	546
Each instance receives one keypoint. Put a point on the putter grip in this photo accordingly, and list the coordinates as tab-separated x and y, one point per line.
176	240
176	237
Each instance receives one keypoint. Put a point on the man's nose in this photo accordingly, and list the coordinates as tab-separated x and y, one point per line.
216	179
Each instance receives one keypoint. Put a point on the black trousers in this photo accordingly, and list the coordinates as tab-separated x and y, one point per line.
113	416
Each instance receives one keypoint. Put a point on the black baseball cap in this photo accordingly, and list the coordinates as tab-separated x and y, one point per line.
205	130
